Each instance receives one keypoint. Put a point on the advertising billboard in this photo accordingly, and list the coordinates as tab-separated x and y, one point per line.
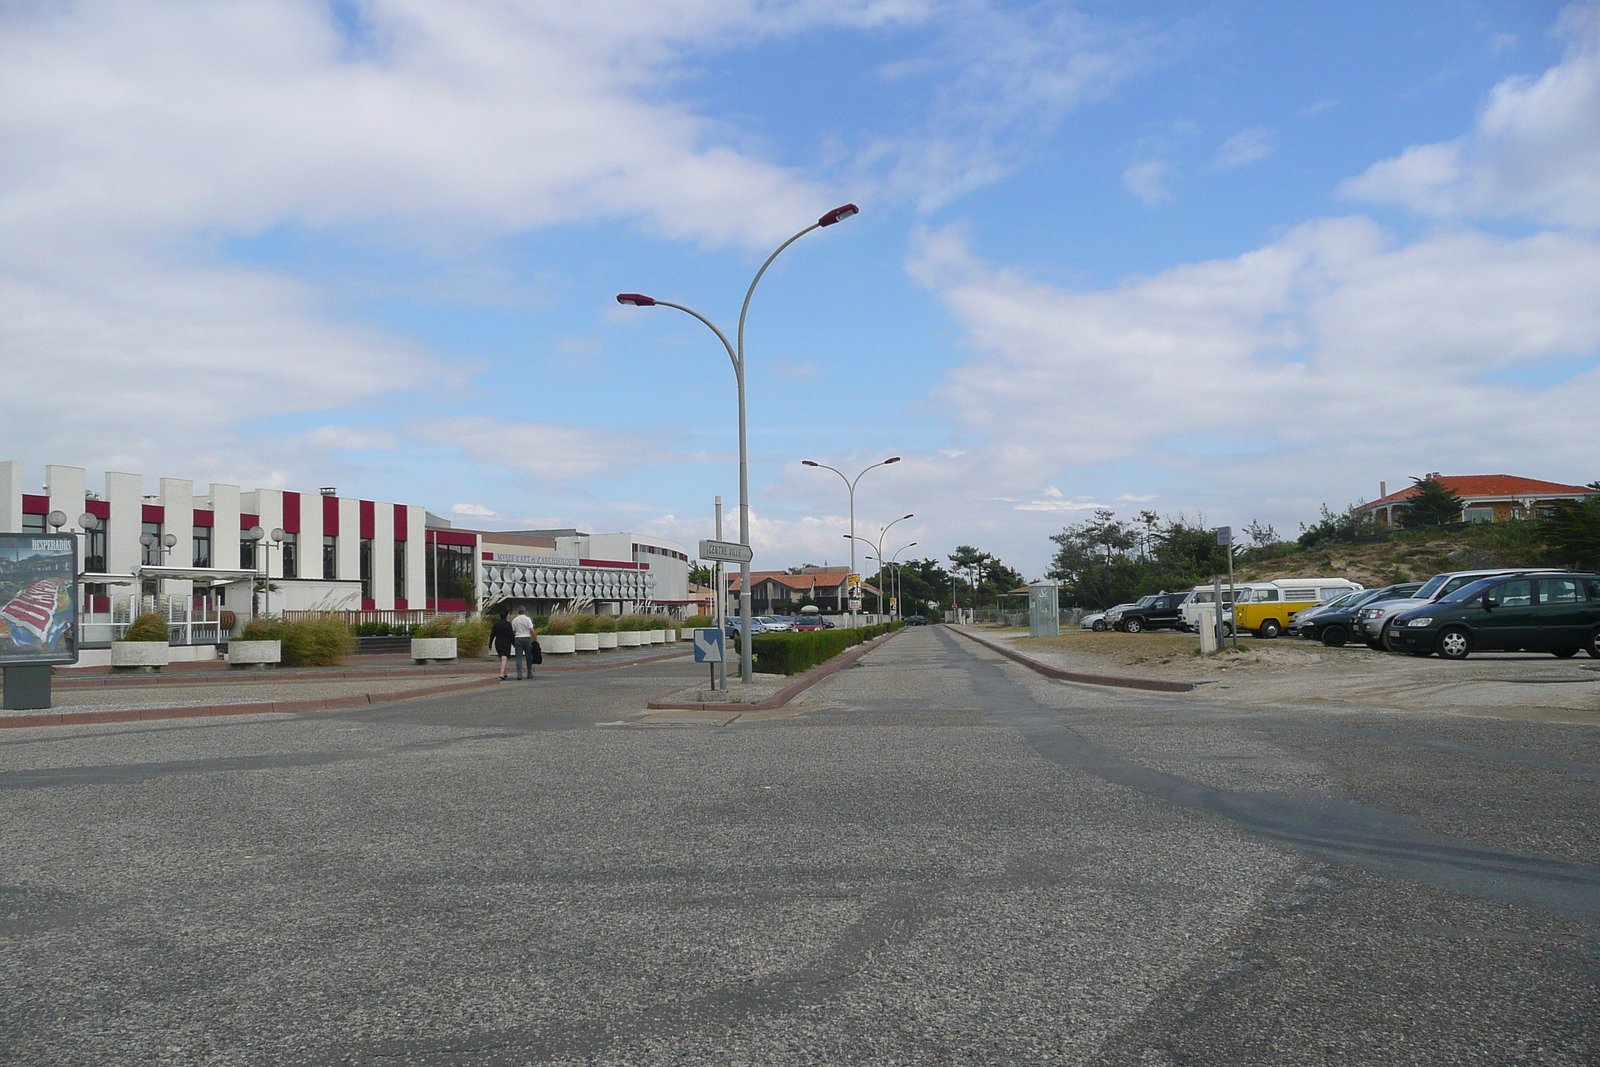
38	599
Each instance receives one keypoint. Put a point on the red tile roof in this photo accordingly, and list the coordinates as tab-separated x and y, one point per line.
1489	486
830	580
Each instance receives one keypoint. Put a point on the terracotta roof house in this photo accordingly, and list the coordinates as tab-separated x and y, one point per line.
1484	497
772	591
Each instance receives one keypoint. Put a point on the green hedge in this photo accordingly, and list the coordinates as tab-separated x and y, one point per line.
791	653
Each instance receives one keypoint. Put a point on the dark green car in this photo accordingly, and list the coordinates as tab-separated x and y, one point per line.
1549	612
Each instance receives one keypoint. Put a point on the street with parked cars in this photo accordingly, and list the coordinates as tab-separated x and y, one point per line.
1451	615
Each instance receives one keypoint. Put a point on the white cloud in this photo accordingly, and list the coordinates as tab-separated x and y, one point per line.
1534	152
547	451
1148	181
1244	148
477	511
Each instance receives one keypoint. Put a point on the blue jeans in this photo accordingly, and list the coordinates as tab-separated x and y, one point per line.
524	654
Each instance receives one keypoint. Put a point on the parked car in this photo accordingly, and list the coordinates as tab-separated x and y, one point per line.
1114	615
1102	621
807	623
1268	607
1202	599
1537	612
1334	623
1370	621
1163	612
775	624
916	620
730	625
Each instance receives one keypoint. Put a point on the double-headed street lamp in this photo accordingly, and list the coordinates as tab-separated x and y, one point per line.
879	546
893	561
736	355
850	484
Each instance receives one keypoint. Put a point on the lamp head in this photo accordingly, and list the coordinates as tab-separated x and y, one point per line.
808	463
636	299
277	533
170	540
255	533
838	214
911	516
891	459
88	521
57	519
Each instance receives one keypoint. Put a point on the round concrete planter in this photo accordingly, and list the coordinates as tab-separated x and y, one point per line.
558	644
607	640
140	655
258	654
433	649
672	637
587	642
657	637
688	635
630	638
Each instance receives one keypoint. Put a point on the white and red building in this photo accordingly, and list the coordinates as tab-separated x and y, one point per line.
1484	497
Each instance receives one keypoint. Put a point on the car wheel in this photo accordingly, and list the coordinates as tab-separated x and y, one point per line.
1375	645
1269	629
1335	637
1099	626
1132	626
1227	629
1455	643
1564	653
1592	646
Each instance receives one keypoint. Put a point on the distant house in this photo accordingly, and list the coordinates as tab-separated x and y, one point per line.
772	592
1484	497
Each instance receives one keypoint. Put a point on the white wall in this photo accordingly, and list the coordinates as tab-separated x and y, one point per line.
125	494
177	497
350	540
225	529
311	535
11	496
417	556
383	557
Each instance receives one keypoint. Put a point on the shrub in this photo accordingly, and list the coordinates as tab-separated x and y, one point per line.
263	628
587	624
633	622
561	624
439	626
472	637
700	622
659	622
151	626
791	653
320	642
605	624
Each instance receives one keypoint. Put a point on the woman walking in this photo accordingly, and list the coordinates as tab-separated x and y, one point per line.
501	637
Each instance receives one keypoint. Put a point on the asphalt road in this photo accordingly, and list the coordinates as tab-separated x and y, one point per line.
940	858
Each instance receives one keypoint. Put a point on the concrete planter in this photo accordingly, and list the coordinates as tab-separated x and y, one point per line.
558	644
587	642
433	649
657	637
607	640
688	635
257	654
140	655
630	638
672	637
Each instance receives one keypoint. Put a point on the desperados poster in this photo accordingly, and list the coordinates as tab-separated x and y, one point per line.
38	599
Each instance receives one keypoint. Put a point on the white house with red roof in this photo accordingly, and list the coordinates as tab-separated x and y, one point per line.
1484	497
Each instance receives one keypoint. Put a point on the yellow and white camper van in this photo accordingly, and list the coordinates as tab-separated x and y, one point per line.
1265	608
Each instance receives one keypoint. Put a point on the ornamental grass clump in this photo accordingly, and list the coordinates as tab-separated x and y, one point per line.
560	625
627	623
587	624
660	622
605	624
262	628
319	642
439	626
700	622
472	637
151	626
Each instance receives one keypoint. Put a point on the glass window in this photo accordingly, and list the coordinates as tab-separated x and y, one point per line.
366	568
247	554
449	571
1594	588
330	556
1559	591
202	546
399	570
150	554
291	555
94	551
33	524
1478	515
1517	594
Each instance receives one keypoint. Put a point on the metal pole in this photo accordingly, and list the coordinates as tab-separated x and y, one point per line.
719	673
853	621
1230	587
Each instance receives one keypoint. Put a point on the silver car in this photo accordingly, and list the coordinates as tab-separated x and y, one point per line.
1114	615
1369	622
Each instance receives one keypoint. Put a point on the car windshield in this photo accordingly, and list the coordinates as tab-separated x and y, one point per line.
1469	591
1431	586
1355	600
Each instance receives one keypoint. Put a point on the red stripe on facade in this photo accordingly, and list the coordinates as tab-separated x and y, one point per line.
291	512
33	504
100	509
330	515
451	537
402	521
204	518
155	513
368	523
249	522
400	604
613	563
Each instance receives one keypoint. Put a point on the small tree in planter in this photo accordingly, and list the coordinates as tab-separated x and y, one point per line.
145	647
435	641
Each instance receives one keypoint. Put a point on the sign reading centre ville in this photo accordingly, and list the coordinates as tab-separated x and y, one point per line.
38	599
726	552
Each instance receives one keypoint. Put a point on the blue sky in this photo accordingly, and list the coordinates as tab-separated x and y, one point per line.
1228	259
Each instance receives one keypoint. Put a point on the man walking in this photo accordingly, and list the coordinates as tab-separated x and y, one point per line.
522	637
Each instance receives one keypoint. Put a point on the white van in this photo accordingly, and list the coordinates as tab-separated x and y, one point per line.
1204	596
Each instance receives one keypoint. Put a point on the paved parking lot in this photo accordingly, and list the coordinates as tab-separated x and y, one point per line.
938	857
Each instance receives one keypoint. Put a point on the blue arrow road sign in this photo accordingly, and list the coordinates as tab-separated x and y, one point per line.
708	646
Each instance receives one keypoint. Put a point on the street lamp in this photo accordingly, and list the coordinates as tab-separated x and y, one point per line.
736	356
892	561
259	536
879	547
850	484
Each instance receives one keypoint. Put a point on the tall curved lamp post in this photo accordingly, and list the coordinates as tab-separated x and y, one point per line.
736	355
893	561
879	546
850	485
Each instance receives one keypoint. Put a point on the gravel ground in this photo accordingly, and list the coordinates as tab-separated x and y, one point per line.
938	857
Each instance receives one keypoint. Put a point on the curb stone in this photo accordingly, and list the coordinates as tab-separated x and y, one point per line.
1158	685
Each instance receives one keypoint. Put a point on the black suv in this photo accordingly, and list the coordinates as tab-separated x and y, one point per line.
1162	613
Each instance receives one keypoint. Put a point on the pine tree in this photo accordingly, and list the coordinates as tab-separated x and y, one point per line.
1433	505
